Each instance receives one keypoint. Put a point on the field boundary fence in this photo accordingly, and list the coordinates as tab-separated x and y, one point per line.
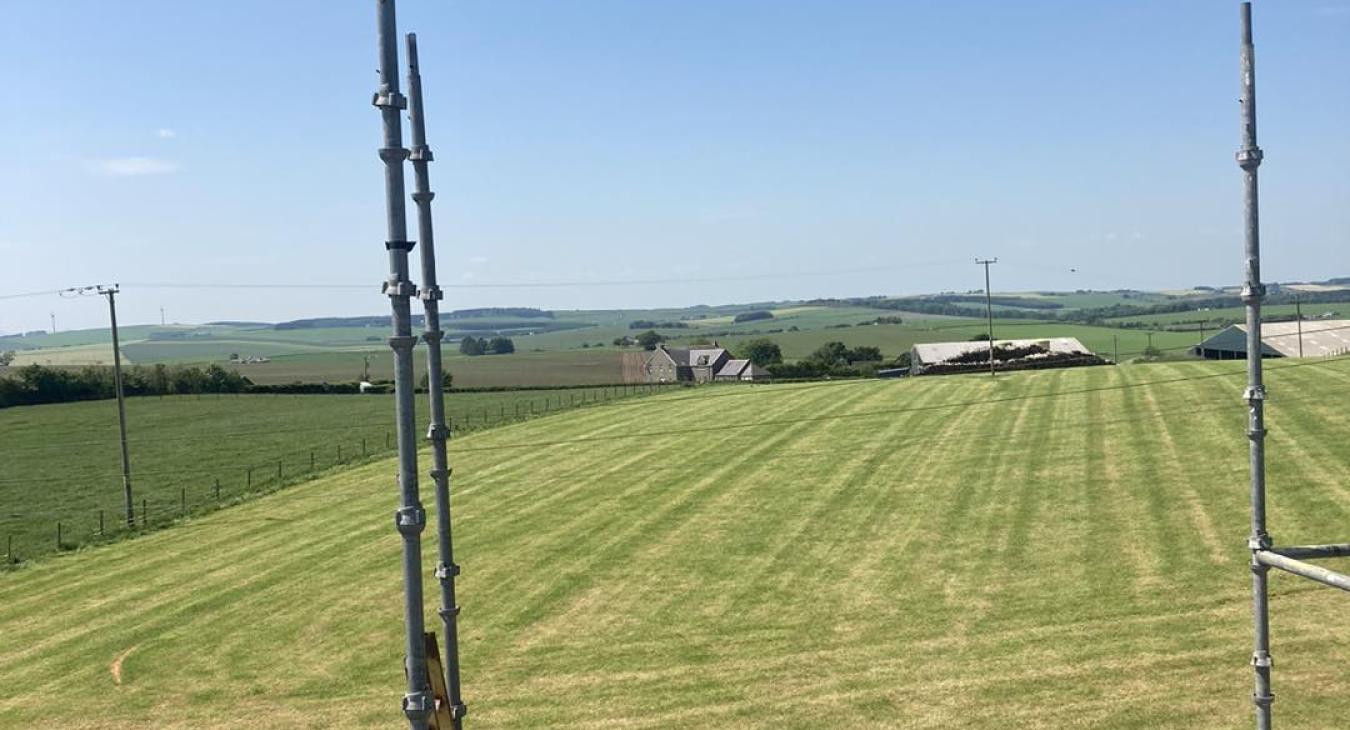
60	531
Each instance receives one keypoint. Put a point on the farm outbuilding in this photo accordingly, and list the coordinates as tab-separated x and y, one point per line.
1318	338
741	370
970	356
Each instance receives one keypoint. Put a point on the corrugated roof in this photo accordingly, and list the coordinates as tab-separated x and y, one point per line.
1321	337
928	353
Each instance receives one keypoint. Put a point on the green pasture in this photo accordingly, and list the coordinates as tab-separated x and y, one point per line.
1231	315
1052	549
532	369
62	462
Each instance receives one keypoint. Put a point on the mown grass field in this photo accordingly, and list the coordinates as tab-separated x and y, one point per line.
63	461
1054	549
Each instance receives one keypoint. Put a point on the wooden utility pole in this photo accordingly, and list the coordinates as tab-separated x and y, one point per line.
111	293
988	308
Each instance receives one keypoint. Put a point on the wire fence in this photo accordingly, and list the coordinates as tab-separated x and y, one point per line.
166	496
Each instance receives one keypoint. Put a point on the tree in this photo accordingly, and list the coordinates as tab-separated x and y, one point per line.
500	346
763	352
650	339
830	354
752	316
471	345
446	380
6	357
864	353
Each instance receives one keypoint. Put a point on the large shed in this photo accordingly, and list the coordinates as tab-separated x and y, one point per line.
1320	338
942	357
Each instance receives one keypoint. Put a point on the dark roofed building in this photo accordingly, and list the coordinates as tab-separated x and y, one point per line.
1321	338
671	364
741	370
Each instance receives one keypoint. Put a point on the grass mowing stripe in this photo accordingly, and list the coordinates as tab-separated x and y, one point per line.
657	516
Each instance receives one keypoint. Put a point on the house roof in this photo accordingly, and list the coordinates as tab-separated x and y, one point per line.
684	358
696	356
932	352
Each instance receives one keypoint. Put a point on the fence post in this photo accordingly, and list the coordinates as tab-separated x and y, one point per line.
9	548
386	438
363	445
278	469
145	514
217	489
58	534
250	477
339	453
182	500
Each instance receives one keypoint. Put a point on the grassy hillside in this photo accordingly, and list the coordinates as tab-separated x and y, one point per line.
1227	315
63	461
1050	549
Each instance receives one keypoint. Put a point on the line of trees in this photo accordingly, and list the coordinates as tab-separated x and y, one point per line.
474	346
832	359
752	316
36	384
648	324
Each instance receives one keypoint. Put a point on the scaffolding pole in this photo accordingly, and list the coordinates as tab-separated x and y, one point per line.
437	433
1249	158
1312	572
410	519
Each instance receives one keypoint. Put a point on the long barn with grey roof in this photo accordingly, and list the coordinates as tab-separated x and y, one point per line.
1310	338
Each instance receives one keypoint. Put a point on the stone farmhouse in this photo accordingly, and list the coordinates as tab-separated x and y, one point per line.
699	365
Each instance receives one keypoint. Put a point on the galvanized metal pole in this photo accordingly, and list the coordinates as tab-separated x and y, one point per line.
1249	158
989	308
437	433
111	293
410	519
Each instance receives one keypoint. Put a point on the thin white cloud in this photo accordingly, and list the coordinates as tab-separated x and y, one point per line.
166	133
478	259
1333	11
133	166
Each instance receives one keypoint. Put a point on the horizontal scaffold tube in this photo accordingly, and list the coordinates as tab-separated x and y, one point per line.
1340	550
1307	570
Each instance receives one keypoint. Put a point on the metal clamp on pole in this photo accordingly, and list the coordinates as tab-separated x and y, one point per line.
410	520
395	287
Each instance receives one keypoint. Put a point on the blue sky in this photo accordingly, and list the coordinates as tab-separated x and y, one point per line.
818	148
